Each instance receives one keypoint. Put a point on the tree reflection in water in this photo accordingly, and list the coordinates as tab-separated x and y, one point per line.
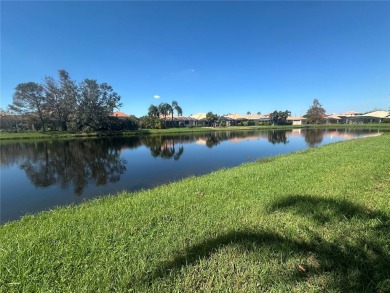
72	162
314	137
277	136
163	147
77	163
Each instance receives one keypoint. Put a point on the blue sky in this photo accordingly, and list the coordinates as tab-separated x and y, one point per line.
223	57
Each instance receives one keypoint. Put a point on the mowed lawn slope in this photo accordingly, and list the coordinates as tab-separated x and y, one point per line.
312	221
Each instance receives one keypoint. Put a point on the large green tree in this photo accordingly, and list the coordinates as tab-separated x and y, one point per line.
316	113
61	98
29	100
95	105
69	96
66	105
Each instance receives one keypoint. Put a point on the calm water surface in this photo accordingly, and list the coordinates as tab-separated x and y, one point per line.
40	175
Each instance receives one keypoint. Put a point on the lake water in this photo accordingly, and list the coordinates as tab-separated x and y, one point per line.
39	175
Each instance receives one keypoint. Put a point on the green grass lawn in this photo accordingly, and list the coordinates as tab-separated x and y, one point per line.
313	221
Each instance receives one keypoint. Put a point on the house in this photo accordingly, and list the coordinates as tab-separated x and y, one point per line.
256	119
298	120
349	117
332	119
234	118
183	121
200	119
374	116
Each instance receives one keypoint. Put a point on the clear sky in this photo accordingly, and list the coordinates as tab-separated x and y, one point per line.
223	57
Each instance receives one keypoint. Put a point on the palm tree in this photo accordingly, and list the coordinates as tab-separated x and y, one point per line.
153	111
175	107
164	109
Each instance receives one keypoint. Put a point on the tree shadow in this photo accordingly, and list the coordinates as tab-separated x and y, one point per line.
356	264
323	210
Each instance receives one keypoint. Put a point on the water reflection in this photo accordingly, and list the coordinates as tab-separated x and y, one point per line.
314	137
164	148
91	167
69	163
278	136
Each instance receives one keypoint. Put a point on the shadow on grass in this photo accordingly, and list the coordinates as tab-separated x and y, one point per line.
355	263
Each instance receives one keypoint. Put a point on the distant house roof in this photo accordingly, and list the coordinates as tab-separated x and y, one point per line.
377	114
296	118
199	116
254	117
183	118
235	116
350	113
120	114
333	116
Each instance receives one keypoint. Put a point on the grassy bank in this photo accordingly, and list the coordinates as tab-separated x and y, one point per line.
317	220
58	135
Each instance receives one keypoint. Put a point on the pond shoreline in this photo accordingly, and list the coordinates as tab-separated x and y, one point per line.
142	132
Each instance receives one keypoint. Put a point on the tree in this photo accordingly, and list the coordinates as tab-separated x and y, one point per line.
258	113
153	111
148	122
61	98
249	113
316	113
279	117
175	107
69	97
87	106
211	118
96	103
164	110
29	100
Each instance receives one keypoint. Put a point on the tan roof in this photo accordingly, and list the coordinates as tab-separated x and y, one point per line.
291	118
120	114
254	117
199	116
183	118
333	116
351	113
235	116
377	114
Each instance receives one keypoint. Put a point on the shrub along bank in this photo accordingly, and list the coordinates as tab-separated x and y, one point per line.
317	220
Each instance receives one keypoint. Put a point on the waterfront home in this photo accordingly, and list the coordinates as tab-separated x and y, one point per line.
184	121
234	118
200	119
298	120
257	118
374	116
332	119
349	117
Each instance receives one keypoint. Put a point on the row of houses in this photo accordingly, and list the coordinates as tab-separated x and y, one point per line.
347	118
200	119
